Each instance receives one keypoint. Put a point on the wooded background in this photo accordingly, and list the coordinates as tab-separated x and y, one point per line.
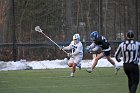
60	19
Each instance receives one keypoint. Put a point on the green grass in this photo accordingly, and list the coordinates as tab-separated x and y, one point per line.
102	80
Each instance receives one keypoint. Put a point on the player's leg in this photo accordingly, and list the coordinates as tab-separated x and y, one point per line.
79	65
78	60
110	60
72	65
127	72
107	55
135	78
74	62
73	69
129	80
99	56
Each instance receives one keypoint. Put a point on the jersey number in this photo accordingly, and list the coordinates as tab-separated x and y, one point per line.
73	48
129	47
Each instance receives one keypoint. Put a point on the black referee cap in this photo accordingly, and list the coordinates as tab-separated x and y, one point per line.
130	34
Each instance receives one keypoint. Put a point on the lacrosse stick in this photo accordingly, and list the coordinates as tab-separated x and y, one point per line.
38	29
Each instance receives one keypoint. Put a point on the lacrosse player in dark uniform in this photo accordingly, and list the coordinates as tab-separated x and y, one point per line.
101	46
130	51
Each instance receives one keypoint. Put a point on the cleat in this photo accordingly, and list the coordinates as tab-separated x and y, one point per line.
89	70
116	70
71	74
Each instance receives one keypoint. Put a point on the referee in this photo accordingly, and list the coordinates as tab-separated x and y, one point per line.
130	51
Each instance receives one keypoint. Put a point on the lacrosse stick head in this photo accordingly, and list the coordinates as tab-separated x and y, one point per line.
38	29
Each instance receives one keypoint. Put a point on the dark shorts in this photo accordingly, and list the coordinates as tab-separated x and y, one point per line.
106	53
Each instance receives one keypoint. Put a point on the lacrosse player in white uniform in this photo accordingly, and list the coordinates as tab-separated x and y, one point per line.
76	54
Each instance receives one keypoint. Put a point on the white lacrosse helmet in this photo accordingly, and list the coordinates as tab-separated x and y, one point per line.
76	36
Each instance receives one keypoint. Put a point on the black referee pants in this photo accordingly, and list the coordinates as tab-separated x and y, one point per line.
132	72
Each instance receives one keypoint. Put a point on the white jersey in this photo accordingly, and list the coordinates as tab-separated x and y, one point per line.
77	49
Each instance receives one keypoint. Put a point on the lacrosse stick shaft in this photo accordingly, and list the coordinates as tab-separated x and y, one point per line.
50	39
53	41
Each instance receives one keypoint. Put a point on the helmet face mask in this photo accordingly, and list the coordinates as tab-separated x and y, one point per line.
92	38
76	38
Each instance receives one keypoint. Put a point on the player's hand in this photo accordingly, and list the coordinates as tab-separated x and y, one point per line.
87	48
96	50
69	54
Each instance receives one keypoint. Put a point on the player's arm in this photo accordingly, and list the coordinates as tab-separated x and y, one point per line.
68	47
95	49
118	52
139	48
91	46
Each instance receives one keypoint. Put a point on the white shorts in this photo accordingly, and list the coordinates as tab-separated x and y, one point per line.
76	60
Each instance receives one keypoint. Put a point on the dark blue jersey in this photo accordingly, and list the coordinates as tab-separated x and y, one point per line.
102	41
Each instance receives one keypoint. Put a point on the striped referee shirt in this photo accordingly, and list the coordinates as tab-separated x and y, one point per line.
130	50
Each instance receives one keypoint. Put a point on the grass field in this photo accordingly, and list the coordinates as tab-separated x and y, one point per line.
103	80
